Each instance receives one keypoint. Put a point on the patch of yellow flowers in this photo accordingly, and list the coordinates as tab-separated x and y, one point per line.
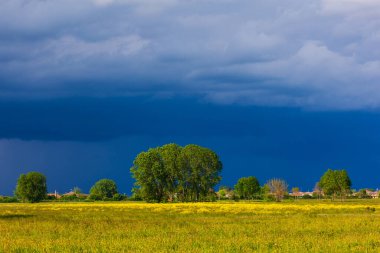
298	226
211	207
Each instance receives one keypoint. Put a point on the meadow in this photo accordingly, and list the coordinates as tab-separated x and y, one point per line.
299	226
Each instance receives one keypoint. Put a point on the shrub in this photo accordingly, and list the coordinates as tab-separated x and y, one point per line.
104	189
6	199
119	197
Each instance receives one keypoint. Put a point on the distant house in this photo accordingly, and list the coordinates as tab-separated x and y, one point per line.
372	194
295	194
300	194
55	195
72	193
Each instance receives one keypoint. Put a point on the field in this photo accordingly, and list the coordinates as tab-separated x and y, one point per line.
299	226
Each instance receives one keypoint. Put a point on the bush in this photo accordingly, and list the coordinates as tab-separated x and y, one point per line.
51	198
269	197
72	198
104	189
6	199
94	197
247	187
136	197
119	197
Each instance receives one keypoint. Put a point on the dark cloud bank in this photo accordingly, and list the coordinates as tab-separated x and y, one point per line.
79	140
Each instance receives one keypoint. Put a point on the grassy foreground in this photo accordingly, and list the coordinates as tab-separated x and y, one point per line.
301	226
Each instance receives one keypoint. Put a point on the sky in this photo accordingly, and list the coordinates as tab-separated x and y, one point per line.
277	88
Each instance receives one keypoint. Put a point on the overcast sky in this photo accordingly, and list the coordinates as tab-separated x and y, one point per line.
279	88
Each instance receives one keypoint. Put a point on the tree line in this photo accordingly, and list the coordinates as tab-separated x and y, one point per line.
172	173
333	184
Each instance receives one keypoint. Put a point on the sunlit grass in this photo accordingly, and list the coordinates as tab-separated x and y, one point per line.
300	226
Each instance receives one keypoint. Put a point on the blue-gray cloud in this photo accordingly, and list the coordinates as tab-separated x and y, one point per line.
313	54
75	143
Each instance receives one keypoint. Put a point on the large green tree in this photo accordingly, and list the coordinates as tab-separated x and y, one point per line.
103	189
171	171
335	183
170	154
31	187
151	175
247	187
199	172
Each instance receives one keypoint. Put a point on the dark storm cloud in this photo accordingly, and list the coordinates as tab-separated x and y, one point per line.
98	119
103	119
77	141
222	51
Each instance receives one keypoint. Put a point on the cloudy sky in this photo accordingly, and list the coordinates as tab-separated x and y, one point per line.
278	88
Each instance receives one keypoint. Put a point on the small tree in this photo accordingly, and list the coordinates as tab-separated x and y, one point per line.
265	192
221	193
335	183
225	192
278	188
31	187
247	187
103	189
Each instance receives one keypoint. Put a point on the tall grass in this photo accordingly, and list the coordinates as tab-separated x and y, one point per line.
302	226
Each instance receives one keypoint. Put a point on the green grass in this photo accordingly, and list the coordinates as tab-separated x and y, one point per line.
299	226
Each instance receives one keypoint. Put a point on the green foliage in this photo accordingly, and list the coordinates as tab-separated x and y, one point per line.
265	193
6	199
72	198
222	193
119	197
172	172
151	177
307	196
103	189
136	196
212	197
248	188
31	187
199	172
225	192
335	183
362	194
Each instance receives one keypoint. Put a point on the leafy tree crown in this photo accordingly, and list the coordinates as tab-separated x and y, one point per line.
31	187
